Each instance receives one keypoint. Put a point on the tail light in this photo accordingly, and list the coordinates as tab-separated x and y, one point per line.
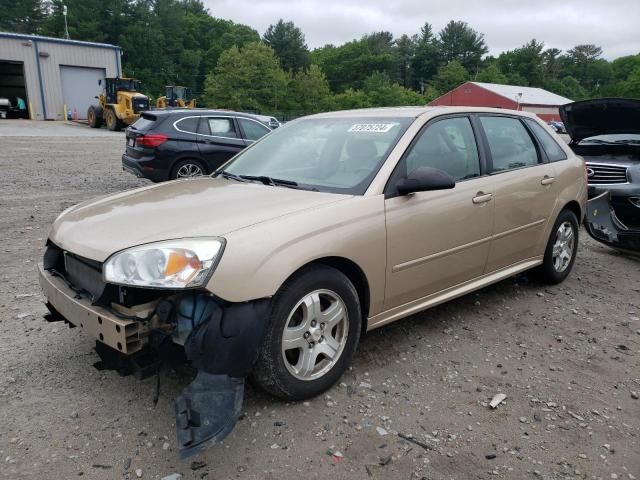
151	140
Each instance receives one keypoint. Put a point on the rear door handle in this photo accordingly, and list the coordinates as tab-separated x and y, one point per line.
547	180
482	197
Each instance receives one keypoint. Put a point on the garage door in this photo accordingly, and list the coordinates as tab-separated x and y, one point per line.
79	87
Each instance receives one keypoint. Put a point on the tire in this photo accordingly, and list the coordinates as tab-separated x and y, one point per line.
563	241
111	120
188	168
94	117
303	371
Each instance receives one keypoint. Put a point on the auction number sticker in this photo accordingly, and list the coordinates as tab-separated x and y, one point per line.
372	127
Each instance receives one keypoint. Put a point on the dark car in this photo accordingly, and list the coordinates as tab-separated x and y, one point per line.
606	133
170	144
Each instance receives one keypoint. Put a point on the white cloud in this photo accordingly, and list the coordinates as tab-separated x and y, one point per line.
506	24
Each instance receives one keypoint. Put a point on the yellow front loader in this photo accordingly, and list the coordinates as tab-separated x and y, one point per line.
119	104
176	96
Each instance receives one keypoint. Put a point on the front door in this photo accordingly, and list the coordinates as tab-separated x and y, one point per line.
525	191
440	239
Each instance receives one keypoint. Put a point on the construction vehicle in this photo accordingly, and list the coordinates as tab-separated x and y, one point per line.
119	104
176	96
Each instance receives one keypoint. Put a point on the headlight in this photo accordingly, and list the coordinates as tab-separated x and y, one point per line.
185	263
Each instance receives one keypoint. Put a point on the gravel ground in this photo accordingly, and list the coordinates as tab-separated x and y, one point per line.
567	358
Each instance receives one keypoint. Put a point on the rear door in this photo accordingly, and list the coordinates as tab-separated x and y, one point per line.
219	139
525	190
146	123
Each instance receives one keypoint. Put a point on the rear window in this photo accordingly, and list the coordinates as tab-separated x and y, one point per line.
551	147
144	123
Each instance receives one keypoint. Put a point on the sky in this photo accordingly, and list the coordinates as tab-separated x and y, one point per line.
506	24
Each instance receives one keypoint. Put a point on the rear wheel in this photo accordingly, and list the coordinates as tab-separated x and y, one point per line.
94	117
561	250
187	169
312	334
111	120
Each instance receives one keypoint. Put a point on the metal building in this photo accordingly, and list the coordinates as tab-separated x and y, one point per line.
477	94
51	73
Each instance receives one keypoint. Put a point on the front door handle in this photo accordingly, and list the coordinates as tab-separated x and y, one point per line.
482	197
547	180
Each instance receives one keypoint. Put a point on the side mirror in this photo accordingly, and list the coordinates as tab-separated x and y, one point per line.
424	179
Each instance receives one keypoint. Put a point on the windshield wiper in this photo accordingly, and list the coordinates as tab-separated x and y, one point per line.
609	142
278	182
228	175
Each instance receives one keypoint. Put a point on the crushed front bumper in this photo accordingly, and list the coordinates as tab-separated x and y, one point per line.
604	226
220	340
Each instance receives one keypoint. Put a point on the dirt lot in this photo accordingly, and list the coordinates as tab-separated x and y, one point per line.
567	357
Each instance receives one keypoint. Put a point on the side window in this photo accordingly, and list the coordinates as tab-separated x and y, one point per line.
510	144
189	124
447	145
253	130
553	150
222	127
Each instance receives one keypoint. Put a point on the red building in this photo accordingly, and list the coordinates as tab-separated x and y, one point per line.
477	94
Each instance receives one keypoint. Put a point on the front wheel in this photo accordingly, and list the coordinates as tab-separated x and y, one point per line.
312	334
561	250
111	120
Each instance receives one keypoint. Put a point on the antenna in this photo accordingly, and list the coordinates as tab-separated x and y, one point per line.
66	28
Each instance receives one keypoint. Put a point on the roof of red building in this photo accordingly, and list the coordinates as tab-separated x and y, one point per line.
530	95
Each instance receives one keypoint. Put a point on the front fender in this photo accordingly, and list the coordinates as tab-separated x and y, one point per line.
260	258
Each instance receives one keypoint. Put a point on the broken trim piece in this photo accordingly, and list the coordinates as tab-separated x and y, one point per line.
603	225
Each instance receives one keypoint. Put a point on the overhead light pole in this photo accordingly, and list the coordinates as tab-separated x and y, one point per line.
66	28
518	98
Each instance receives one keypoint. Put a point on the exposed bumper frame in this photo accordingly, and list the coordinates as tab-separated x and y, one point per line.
125	336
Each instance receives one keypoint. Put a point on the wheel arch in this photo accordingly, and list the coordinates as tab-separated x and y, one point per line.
574	207
356	276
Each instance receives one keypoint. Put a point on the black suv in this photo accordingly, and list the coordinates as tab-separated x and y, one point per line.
169	144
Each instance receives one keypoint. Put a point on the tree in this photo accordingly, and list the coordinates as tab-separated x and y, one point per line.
458	41
348	65
308	91
492	74
526	62
23	16
426	59
631	86
382	92
248	78
450	76
288	42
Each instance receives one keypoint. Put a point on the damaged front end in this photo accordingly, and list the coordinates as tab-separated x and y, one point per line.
604	226
140	330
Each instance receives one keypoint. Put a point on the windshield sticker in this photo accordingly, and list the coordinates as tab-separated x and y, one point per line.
372	127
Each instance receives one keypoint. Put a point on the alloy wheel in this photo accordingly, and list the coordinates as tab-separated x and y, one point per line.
315	335
563	247
189	170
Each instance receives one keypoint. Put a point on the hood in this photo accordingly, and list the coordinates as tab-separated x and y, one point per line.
185	208
603	116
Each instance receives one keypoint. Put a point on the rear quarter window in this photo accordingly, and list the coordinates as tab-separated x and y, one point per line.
553	150
189	124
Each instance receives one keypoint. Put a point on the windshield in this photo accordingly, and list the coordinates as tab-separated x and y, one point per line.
613	138
340	155
129	85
